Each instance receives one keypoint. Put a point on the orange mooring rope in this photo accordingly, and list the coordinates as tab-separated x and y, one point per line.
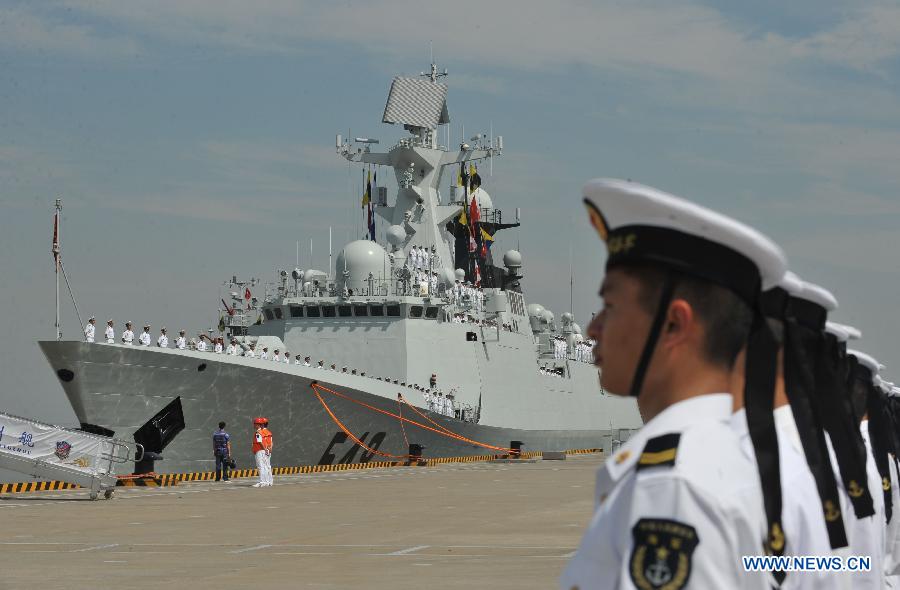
350	434
400	412
444	432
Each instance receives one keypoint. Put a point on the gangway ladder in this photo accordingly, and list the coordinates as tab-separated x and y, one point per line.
47	451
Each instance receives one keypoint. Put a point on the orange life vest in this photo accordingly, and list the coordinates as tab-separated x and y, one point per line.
262	440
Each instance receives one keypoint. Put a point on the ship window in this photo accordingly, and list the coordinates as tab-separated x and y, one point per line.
431	313
269	315
296	311
278	313
393	311
328	311
415	311
360	310
312	311
344	311
376	310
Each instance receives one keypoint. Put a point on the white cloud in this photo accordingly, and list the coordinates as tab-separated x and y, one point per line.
20	29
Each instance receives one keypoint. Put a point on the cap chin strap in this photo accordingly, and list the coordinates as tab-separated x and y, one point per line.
668	290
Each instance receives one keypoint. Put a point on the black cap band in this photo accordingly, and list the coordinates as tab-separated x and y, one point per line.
836	410
685	253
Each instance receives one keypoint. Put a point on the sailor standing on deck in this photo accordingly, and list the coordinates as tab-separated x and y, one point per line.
90	329
181	341
128	335
163	340
262	451
218	348
232	348
144	338
110	332
679	502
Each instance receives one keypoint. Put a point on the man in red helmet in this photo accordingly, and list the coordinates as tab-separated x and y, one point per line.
262	450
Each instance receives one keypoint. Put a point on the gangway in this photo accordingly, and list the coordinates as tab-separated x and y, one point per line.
46	451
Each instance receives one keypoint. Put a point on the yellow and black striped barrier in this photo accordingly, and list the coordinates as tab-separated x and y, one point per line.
35	486
170	479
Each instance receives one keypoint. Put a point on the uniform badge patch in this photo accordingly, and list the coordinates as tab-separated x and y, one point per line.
661	554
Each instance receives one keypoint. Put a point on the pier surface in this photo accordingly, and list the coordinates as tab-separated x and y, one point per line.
450	526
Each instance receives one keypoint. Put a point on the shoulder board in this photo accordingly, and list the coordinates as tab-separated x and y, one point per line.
659	451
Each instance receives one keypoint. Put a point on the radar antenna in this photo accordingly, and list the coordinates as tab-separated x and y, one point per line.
434	74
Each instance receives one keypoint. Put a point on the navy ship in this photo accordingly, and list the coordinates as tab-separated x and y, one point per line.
425	340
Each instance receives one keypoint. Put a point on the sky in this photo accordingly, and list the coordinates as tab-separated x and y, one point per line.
193	140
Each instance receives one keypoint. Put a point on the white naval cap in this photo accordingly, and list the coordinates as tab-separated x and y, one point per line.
838	331
818	295
867	361
850	332
91	318
641	224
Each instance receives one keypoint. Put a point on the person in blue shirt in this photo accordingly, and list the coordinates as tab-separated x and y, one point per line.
222	451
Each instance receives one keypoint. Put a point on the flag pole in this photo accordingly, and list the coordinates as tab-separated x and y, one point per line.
55	249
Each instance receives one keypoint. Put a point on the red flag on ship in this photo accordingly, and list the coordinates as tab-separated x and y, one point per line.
247	293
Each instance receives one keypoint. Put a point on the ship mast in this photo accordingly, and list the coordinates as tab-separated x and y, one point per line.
55	251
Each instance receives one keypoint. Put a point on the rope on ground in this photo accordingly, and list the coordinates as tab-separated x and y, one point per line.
445	432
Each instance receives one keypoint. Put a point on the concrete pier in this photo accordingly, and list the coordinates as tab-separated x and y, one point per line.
451	526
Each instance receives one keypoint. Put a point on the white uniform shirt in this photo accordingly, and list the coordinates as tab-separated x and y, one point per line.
426	259
264	355
287	359
232	350
801	512
144	338
89	331
250	353
162	341
276	357
704	512
218	348
110	334
127	337
201	345
181	343
892	555
868	536
305	364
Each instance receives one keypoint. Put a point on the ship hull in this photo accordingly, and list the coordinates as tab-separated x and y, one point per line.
120	387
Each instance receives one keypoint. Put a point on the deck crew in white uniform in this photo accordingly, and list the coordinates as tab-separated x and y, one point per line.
110	332
181	341
679	502
128	335
144	338
90	329
163	340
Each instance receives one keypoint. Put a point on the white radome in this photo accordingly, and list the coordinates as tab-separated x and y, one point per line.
357	260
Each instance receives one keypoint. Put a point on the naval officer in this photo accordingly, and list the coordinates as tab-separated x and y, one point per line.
144	338
163	340
181	341
90	329
679	504
110	332
128	334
